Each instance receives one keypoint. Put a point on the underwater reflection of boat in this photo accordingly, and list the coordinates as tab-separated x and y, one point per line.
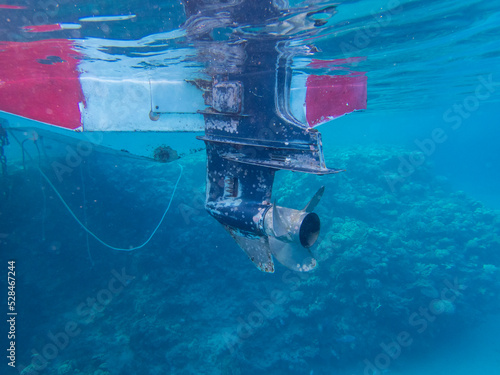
252	128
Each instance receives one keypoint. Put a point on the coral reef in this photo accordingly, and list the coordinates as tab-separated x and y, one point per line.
412	261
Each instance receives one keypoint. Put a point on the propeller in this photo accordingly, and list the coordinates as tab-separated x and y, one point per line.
288	235
292	232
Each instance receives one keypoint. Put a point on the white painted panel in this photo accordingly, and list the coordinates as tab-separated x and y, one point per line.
175	97
298	97
119	93
125	104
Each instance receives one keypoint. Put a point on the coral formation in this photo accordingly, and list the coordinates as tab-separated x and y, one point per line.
414	257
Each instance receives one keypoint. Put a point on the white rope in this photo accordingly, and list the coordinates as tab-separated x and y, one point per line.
85	227
95	236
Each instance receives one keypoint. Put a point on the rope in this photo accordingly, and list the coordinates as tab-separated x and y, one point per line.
21	144
94	235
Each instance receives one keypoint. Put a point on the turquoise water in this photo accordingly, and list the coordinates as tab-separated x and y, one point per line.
408	257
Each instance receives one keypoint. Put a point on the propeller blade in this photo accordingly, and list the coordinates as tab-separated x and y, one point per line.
257	249
292	255
314	200
279	226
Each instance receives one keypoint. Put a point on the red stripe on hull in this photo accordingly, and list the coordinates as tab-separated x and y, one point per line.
5	6
328	97
42	28
39	80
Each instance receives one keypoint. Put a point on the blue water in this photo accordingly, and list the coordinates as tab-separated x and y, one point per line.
408	257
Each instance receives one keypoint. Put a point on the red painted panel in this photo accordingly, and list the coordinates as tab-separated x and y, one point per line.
39	80
328	97
42	28
6	6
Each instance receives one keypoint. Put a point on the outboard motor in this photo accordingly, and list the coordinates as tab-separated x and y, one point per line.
250	132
